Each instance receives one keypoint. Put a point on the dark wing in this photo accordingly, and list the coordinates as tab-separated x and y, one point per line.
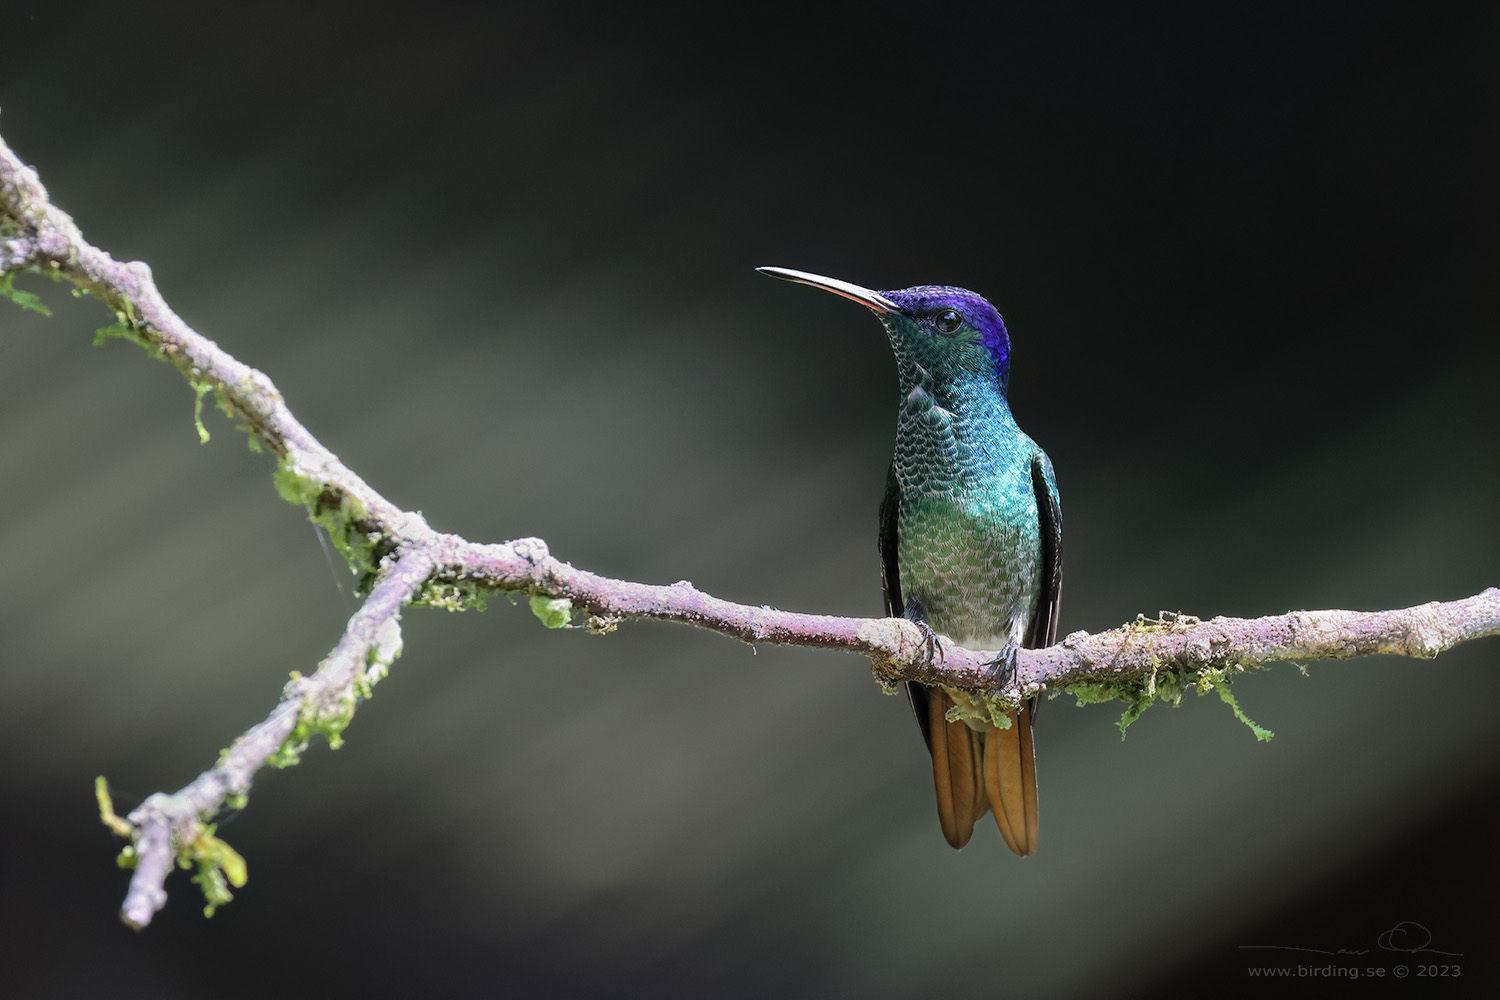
890	572
1043	631
895	604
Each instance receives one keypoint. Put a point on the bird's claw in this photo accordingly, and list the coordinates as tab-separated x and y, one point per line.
1004	666
933	644
916	613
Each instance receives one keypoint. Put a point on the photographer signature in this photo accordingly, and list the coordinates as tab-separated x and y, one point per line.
1408	938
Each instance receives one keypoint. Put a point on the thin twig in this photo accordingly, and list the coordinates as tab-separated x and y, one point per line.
165	822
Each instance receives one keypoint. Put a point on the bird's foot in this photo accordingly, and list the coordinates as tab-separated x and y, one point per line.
916	613
1003	666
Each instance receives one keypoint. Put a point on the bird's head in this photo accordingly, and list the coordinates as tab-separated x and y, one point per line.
949	334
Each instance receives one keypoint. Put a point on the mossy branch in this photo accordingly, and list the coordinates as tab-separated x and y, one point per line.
402	560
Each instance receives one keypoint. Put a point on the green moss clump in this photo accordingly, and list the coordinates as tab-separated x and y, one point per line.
553	612
342	516
378	659
26	300
1261	732
200	389
971	705
453	594
330	720
1141	693
118	824
219	866
127	326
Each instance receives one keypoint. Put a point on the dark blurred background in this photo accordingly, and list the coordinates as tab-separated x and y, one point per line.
500	260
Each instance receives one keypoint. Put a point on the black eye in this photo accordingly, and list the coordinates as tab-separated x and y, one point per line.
948	321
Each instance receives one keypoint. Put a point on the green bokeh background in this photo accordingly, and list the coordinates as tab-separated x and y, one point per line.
500	261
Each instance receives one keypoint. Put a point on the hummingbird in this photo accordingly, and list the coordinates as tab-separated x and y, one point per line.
970	538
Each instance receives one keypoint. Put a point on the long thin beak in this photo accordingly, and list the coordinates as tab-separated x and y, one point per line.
867	297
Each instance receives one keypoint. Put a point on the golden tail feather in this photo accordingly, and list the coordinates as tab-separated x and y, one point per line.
957	753
1010	781
977	773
